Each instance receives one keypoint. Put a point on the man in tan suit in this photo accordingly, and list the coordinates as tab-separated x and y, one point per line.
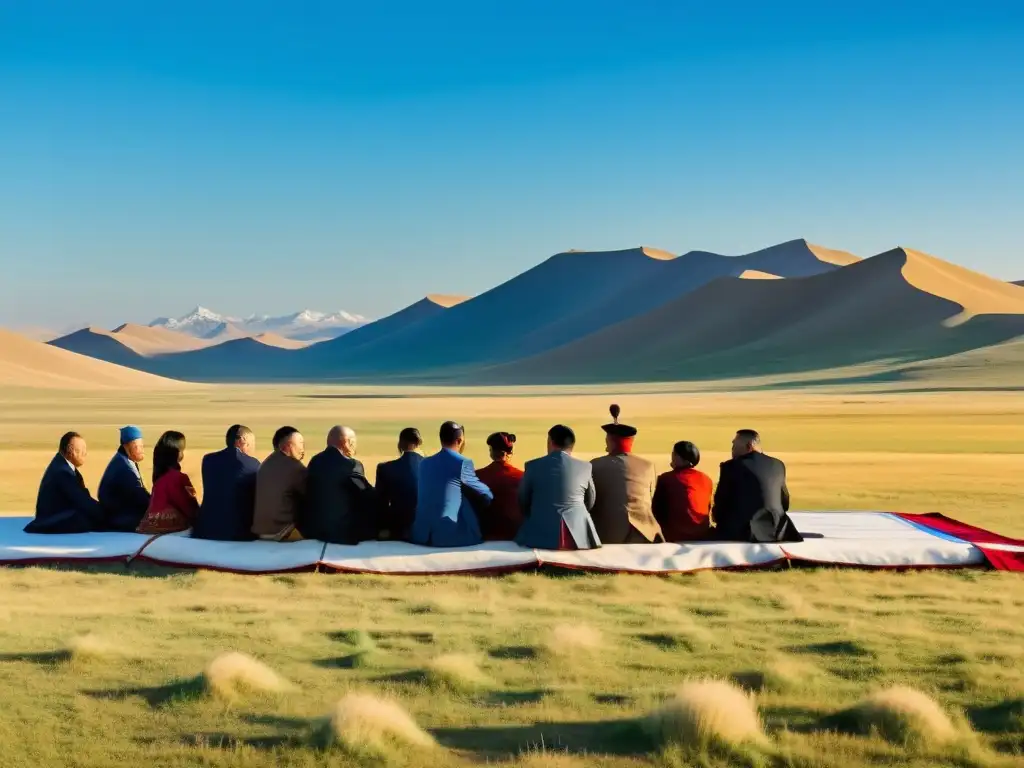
625	487
281	489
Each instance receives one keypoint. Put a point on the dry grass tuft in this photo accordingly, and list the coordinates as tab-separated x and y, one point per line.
566	639
91	646
904	716
362	723
230	674
781	675
456	671
706	712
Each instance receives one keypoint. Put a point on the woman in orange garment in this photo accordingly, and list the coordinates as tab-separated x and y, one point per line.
500	520
682	497
173	506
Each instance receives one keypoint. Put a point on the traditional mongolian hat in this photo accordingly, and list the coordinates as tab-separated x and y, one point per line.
615	428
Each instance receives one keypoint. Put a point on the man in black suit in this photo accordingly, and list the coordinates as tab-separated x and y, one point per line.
751	500
339	501
229	489
64	504
397	481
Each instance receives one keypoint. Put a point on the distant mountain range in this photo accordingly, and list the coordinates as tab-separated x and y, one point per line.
793	311
307	325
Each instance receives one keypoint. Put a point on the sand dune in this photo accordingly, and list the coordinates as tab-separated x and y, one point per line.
100	344
244	359
150	340
756	274
1018	282
27	363
281	342
899	306
225	332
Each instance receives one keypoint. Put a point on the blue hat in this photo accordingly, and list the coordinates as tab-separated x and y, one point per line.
130	433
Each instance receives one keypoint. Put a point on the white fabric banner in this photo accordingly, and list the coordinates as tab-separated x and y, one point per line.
16	546
401	558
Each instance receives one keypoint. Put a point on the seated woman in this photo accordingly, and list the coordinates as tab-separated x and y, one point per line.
500	521
682	497
173	506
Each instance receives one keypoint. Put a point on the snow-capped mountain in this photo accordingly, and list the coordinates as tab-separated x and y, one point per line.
308	324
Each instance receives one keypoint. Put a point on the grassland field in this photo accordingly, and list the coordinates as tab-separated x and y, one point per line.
527	669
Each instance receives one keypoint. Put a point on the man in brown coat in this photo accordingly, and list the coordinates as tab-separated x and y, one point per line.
625	487
281	489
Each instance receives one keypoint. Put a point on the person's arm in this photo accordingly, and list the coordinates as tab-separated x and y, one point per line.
525	494
79	497
659	505
590	494
473	483
785	491
135	490
723	494
186	500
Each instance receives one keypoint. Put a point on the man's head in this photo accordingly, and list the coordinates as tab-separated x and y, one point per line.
746	441
131	443
685	455
343	439
72	447
453	436
409	440
561	438
289	441
241	437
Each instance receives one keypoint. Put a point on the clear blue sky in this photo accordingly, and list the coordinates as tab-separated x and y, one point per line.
267	156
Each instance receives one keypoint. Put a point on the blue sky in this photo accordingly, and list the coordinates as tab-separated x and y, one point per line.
271	156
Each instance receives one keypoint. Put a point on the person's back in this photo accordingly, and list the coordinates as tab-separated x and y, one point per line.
682	497
752	498
338	504
556	494
625	490
396	487
280	489
63	504
501	520
445	515
229	489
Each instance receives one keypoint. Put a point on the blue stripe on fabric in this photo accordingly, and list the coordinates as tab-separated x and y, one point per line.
926	529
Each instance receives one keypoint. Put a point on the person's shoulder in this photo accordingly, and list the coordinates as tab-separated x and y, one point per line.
640	461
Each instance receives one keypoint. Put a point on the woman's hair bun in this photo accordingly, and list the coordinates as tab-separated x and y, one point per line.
511	437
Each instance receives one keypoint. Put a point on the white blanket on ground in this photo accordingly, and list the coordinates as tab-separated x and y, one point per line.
865	539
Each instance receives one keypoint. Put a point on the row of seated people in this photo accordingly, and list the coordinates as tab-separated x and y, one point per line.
555	502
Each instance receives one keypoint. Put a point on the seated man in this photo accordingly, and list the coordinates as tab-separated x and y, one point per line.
280	489
64	504
339	505
122	494
229	489
556	495
752	500
625	489
445	495
396	487
682	497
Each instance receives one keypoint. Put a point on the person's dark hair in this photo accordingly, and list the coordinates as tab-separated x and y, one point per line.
687	451
562	437
281	435
503	442
451	432
235	433
65	442
749	435
409	439
167	453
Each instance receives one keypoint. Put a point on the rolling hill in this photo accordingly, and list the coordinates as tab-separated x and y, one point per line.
27	363
900	306
1018	282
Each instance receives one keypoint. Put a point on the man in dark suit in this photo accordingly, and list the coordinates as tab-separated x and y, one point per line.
339	504
752	500
229	489
64	504
396	487
122	493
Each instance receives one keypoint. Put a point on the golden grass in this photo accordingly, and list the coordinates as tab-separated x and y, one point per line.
905	715
572	639
702	713
457	671
363	722
232	674
86	647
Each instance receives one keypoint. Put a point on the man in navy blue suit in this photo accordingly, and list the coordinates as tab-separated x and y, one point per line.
396	487
229	489
446	493
64	504
122	493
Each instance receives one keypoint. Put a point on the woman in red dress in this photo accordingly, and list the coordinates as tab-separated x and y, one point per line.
173	505
500	520
682	497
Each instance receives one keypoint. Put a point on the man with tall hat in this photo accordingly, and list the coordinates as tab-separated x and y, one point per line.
122	493
625	488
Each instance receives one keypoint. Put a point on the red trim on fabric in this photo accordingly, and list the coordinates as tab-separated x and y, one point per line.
491	570
600	569
67	560
219	569
999	559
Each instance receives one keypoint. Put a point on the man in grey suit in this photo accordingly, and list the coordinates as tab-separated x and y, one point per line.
556	495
